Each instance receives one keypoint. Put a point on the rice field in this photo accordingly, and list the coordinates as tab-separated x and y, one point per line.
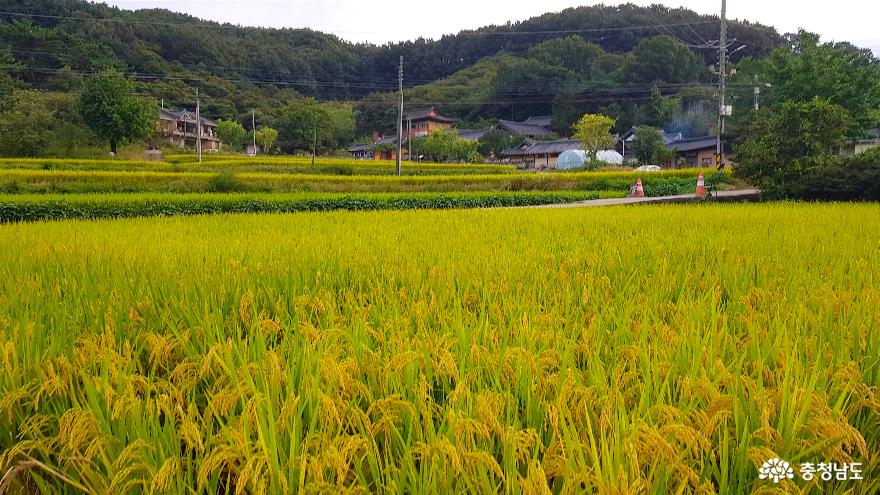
19	181
286	165
655	349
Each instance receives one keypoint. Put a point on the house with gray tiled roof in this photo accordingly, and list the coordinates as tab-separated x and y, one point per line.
534	127
180	128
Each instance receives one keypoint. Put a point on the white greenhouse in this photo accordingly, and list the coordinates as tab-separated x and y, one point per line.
579	159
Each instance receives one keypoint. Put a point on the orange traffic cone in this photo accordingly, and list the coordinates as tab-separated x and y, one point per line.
701	186
640	190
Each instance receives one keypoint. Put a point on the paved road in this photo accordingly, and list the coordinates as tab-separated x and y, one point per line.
723	196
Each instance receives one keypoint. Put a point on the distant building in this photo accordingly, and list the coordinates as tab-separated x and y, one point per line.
696	152
179	128
862	145
420	123
382	148
533	127
361	151
540	155
471	135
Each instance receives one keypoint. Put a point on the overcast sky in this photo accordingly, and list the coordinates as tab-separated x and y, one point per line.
380	21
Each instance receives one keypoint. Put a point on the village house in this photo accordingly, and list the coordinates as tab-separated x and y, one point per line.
540	155
179	128
418	123
693	152
862	145
533	127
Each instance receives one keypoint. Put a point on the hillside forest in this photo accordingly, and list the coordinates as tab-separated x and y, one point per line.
641	66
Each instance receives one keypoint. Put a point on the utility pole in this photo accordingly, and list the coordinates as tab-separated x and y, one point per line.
400	116
757	94
722	104
254	129
315	144
198	126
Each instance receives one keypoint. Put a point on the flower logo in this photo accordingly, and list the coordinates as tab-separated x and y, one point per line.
776	469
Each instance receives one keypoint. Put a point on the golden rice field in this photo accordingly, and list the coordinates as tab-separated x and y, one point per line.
656	349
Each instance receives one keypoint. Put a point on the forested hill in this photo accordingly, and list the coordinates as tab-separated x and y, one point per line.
165	46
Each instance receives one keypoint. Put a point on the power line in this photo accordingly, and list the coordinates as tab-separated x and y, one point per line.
531	87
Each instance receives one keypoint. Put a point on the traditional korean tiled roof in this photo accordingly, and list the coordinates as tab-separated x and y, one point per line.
542	148
183	116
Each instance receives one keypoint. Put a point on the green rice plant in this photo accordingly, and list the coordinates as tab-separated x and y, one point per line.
216	164
30	208
659	349
68	181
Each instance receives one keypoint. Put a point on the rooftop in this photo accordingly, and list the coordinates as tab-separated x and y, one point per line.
541	148
183	116
471	135
542	121
532	127
430	114
360	148
693	144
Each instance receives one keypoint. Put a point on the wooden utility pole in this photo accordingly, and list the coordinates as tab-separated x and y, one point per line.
400	116
198	126
254	129
722	90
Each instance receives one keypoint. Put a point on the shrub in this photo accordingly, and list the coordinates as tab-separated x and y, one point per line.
855	178
225	182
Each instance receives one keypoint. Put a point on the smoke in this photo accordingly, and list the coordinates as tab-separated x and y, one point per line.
692	123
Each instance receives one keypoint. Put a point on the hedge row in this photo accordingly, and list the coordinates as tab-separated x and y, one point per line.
853	178
56	207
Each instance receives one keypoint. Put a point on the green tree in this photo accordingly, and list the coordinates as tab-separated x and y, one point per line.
838	73
113	112
663	59
232	134
645	142
518	81
7	82
664	108
444	145
594	133
572	53
780	143
37	123
266	137
494	142
663	155
306	121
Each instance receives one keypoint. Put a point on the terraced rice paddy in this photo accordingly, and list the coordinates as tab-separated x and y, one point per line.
658	349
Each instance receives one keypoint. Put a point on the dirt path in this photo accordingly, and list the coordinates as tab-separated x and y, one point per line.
723	196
